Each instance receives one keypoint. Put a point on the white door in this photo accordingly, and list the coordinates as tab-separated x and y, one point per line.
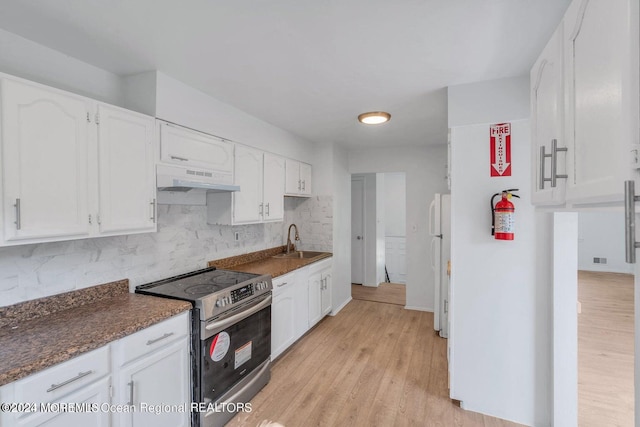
445	256
247	203
357	230
126	171
45	136
305	178
293	184
273	187
161	378
547	101
601	47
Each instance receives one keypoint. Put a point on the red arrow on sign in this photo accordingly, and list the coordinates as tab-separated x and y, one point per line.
500	135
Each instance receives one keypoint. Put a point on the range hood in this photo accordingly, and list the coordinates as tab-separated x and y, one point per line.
183	179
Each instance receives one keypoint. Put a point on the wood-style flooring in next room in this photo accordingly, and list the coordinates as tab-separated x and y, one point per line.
391	293
605	350
372	364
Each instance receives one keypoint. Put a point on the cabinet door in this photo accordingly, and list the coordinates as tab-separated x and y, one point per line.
326	293
547	118
247	203
293	184
183	146
274	177
44	143
93	395
305	178
162	378
601	54
126	171
315	298
282	319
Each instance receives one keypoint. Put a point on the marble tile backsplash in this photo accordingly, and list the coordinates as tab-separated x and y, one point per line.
184	242
314	218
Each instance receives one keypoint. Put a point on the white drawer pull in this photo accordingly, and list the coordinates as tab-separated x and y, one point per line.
62	384
167	335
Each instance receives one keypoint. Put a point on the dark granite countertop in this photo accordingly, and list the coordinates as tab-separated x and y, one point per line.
37	334
263	262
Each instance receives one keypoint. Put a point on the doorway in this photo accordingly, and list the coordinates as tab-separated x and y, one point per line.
378	234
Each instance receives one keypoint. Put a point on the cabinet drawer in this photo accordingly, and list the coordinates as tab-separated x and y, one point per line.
320	265
284	282
151	338
64	378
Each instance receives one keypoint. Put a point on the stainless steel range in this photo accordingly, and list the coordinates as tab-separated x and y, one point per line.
231	338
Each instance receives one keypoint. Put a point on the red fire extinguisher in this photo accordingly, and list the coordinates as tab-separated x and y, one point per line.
503	215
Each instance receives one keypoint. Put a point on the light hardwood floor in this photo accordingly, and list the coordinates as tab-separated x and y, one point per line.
605	349
391	293
371	365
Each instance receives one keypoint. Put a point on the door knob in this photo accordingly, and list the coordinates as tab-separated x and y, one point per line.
359	237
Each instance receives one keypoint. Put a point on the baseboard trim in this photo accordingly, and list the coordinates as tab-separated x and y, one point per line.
413	307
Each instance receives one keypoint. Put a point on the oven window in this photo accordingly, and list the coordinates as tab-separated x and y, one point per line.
230	355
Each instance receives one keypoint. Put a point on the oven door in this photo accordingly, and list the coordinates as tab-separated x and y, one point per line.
233	346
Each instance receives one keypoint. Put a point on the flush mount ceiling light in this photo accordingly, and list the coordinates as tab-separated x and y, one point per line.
374	118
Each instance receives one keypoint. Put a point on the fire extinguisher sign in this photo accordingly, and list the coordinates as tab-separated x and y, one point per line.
500	135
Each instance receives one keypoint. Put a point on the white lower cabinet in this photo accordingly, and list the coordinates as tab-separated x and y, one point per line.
150	368
319	291
286	319
151	373
300	300
84	381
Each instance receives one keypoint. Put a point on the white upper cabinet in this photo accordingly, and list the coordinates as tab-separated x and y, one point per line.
126	171
261	179
584	99
247	203
72	167
273	187
548	140
187	147
45	139
601	82
298	178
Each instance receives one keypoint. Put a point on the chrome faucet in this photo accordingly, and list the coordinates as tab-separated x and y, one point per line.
296	238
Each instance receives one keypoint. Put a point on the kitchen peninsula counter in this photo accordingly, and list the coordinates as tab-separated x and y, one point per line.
37	334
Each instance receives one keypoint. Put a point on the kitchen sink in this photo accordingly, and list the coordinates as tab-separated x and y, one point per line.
301	254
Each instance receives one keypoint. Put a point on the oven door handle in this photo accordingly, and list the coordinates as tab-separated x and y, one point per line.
221	324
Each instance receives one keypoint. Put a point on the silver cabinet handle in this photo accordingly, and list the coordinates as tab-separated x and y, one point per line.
304	185
630	200
167	335
18	222
554	162
153	210
261	209
182	159
69	381
130	384
543	156
282	284
267	208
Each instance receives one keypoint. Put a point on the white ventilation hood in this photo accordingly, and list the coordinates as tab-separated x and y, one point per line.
183	179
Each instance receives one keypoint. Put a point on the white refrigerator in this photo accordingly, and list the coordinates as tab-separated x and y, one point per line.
440	231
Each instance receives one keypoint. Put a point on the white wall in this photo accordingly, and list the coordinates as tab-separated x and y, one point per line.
24	58
182	104
331	176
424	168
500	319
601	235
395	203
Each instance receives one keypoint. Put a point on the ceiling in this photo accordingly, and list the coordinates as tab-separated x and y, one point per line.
306	66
